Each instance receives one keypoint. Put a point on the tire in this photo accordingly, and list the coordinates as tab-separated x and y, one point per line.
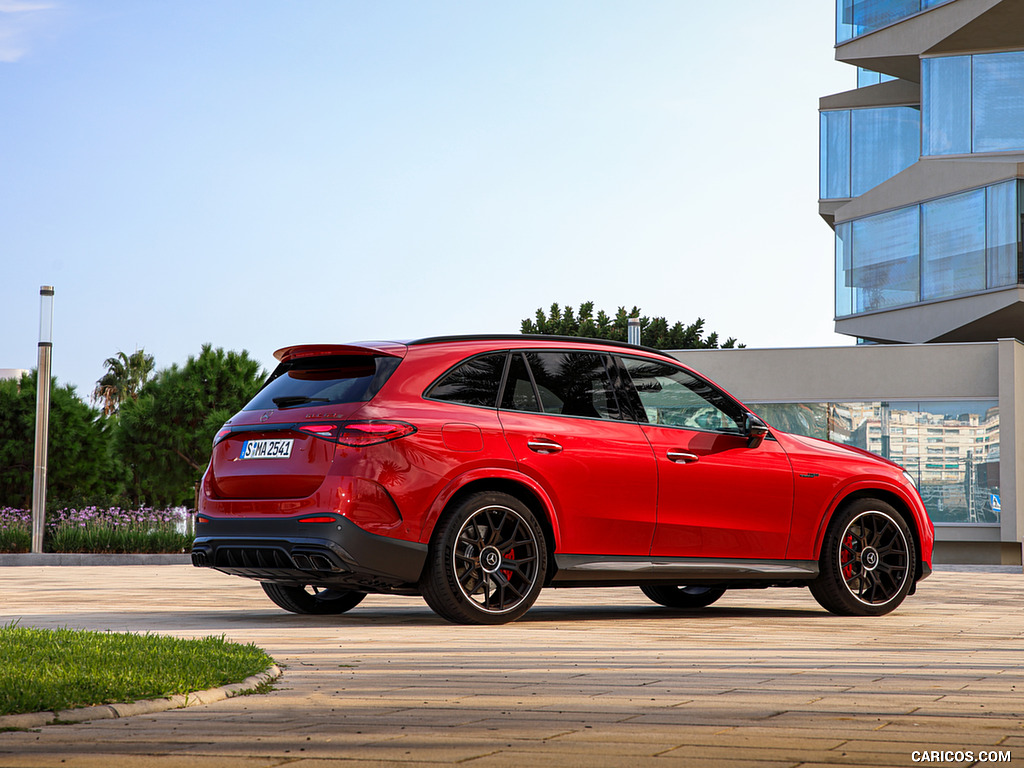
867	561
312	600
681	596
487	561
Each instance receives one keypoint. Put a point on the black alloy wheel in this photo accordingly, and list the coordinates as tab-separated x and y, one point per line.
682	596
487	562
312	600
867	561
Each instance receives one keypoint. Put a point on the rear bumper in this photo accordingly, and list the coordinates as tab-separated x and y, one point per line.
283	550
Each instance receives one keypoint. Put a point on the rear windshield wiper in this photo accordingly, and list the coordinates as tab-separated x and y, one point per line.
289	400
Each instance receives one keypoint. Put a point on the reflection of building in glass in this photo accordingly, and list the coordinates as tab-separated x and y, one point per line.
950	448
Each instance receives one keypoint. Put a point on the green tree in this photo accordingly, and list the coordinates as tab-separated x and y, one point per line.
165	436
124	379
654	332
80	461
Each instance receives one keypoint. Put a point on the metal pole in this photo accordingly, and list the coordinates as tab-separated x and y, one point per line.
633	330
42	416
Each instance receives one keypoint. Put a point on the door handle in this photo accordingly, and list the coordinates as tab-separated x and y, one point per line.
544	446
681	457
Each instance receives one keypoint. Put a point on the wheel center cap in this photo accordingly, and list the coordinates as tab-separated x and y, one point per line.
490	559
869	558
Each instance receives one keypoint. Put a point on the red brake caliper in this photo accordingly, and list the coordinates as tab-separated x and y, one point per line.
510	555
846	557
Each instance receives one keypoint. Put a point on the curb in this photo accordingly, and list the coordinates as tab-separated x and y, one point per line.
111	711
69	558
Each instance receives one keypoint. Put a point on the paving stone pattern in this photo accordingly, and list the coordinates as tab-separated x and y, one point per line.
590	678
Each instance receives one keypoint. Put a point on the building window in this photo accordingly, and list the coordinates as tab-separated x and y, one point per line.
861	148
834	150
958	479
946	105
973	104
878	261
866	77
952	246
858	17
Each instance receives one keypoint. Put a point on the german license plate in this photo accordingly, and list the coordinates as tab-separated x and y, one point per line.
266	449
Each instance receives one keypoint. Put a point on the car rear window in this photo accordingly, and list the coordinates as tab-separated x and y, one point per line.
324	381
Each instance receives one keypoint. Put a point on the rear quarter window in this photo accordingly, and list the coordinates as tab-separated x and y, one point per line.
472	382
324	381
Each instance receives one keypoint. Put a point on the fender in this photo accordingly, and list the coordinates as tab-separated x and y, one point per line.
919	521
492	473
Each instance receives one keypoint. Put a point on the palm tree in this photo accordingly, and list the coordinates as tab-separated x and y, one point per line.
124	379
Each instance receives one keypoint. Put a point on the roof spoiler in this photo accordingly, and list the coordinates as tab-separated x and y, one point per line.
368	348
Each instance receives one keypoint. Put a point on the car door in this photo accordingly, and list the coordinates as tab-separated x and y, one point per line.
567	430
717	497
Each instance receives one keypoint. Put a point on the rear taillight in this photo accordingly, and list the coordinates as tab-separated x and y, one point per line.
358	433
224	432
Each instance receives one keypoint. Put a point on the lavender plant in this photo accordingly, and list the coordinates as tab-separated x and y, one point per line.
15	530
99	530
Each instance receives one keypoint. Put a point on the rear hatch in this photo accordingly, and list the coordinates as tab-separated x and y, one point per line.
282	444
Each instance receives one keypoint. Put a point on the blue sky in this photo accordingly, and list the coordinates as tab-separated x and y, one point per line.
255	174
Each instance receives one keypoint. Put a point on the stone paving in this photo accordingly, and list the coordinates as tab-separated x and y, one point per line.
597	677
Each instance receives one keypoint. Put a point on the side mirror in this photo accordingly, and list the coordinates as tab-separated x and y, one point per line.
757	430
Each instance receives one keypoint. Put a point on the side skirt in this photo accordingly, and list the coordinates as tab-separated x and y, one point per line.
602	570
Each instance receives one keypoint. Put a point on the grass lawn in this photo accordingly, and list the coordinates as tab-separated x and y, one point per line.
44	669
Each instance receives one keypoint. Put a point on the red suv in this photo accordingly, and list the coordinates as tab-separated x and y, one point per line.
476	470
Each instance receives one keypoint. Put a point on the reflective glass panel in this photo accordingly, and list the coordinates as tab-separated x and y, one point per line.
946	101
885	263
858	17
835	154
866	77
951	448
1001	233
953	256
884	142
844	269
998	83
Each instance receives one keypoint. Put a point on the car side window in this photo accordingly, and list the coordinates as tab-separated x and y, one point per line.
672	397
473	382
575	384
519	393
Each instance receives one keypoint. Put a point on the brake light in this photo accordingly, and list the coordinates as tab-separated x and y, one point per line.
320	430
224	432
359	434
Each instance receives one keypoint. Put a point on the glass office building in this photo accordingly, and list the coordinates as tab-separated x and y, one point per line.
920	173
